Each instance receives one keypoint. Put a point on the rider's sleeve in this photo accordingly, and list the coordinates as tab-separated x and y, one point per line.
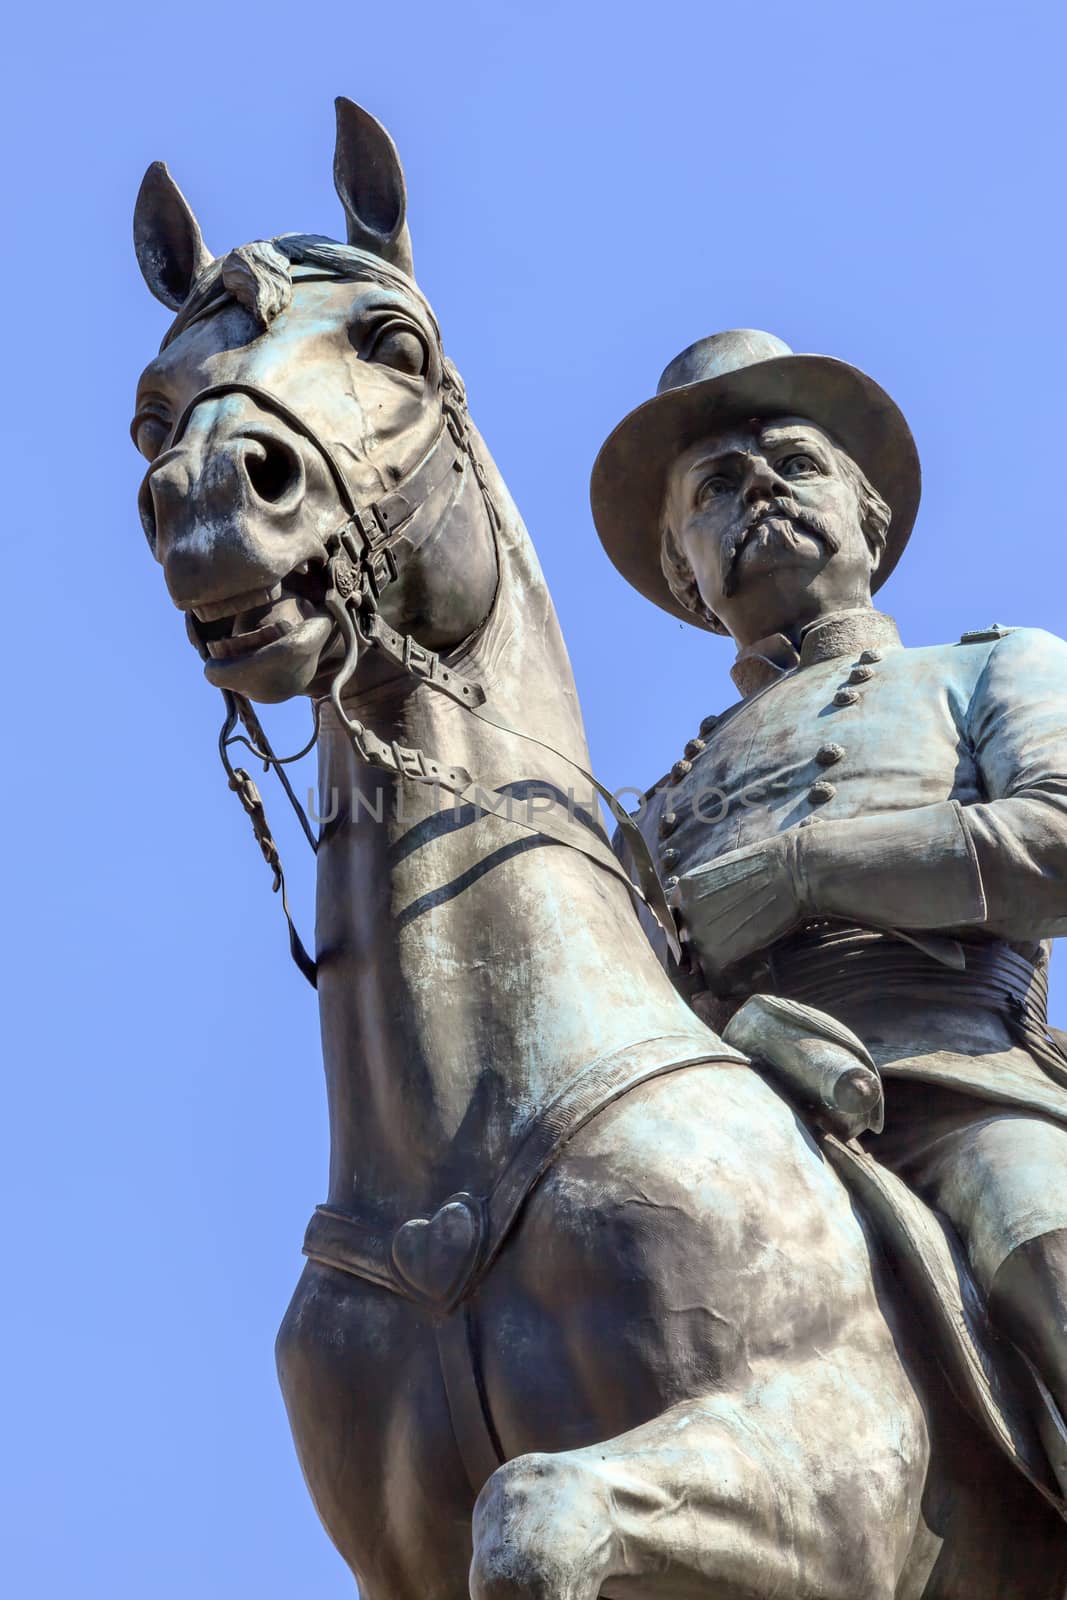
1018	731
1000	864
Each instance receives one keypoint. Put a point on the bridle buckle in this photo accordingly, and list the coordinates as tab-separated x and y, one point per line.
379	571
411	762
371	526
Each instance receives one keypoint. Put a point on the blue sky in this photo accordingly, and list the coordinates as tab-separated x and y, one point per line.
592	186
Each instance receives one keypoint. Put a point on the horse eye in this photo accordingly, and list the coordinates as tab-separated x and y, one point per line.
149	433
400	347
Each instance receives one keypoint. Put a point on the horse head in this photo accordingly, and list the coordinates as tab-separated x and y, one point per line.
302	397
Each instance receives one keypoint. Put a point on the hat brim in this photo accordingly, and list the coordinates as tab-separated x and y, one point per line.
629	479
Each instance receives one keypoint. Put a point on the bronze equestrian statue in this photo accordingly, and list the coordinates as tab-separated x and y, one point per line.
593	1303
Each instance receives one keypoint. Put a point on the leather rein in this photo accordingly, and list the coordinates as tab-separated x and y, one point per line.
361	563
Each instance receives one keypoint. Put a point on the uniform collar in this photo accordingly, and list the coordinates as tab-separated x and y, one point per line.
842	633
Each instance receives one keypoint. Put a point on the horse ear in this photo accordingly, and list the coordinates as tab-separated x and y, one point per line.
370	182
166	236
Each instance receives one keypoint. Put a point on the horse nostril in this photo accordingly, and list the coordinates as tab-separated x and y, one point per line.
147	510
273	469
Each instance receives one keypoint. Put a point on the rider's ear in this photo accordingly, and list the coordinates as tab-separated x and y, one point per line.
370	181
167	239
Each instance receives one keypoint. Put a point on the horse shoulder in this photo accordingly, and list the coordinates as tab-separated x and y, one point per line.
700	1209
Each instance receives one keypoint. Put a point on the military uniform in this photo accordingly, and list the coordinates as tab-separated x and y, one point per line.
929	788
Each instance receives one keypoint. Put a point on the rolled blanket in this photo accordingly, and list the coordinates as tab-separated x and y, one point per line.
822	1062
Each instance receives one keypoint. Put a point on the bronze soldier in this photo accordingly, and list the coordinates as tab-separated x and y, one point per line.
877	831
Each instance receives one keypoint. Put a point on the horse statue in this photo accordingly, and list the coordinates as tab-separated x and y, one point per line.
588	1307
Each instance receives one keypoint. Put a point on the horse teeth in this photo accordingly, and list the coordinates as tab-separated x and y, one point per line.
240	644
212	610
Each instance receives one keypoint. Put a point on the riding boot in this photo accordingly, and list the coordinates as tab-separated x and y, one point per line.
1028	1302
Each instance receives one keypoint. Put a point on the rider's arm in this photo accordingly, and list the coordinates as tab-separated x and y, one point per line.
1018	730
1000	864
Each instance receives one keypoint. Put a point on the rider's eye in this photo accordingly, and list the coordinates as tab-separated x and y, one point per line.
149	432
712	488
399	346
798	466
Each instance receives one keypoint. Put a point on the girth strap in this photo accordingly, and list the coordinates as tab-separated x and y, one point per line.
476	1437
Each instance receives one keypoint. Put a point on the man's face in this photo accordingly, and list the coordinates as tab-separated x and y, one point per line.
769	520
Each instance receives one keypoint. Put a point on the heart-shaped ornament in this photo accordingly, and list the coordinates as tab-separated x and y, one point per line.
437	1256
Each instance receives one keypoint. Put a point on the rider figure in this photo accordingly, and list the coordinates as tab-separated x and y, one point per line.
879	832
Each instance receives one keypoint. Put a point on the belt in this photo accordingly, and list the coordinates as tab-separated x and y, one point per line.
833	966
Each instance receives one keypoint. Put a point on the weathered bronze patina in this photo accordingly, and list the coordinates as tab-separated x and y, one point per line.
588	1306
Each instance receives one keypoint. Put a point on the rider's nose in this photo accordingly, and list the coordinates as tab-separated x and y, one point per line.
761	481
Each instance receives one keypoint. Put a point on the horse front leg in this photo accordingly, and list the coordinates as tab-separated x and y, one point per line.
739	1498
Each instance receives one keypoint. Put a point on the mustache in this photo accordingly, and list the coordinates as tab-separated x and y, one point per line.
801	518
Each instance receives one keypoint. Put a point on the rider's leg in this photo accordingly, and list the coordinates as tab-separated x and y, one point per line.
1000	1176
1029	1301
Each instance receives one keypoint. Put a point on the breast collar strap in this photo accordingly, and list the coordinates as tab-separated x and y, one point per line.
445	1274
361	562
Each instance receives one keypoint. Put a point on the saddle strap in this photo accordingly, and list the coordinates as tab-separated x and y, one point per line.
344	1240
590	1091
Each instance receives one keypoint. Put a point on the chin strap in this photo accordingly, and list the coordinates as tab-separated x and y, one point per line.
360	564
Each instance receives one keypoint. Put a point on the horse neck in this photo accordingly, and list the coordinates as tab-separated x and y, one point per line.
467	968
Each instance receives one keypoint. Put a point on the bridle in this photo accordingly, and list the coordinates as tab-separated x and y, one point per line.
360	563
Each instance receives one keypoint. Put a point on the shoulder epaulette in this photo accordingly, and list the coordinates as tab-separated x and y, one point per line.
996	630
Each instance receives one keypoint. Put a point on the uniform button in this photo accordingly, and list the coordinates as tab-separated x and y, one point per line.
846	697
868	656
670	858
708	725
827	755
667	824
820	792
694	747
680	770
671	883
861	675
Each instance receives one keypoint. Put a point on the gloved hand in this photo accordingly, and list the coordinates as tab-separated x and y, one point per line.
912	869
742	901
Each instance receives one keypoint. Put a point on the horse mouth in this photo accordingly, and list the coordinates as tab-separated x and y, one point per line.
232	629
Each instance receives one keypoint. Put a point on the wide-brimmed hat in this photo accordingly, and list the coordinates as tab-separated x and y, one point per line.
731	377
